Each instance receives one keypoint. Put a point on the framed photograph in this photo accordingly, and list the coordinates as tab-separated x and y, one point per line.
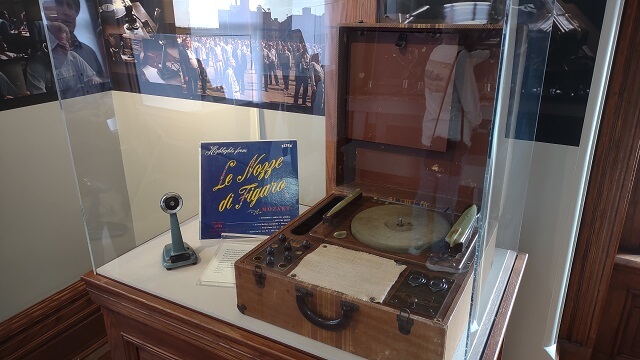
270	58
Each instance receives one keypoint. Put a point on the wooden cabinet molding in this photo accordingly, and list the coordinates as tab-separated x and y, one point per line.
630	241
140	325
493	348
619	332
610	184
144	326
63	326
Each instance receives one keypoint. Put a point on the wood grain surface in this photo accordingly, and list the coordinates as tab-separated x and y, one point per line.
494	343
140	325
619	331
63	326
610	184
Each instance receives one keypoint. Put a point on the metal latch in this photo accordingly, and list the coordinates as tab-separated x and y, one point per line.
405	322
260	276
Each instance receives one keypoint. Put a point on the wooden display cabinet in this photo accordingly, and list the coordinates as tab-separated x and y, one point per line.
145	326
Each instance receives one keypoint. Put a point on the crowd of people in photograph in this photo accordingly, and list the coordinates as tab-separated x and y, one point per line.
307	70
236	67
228	64
26	56
218	61
10	29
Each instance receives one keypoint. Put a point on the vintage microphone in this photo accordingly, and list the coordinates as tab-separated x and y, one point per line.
176	254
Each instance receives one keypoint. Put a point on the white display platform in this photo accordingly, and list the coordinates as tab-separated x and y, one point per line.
142	269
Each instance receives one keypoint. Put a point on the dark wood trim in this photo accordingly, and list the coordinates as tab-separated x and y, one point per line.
629	240
338	12
141	324
493	349
627	262
567	351
610	185
138	321
62	326
100	347
621	316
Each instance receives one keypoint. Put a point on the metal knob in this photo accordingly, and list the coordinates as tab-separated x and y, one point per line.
306	244
287	246
282	237
438	285
271	250
270	261
287	256
416	280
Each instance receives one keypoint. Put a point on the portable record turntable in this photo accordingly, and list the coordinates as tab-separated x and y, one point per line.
381	266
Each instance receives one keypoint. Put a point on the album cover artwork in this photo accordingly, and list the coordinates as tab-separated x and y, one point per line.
248	188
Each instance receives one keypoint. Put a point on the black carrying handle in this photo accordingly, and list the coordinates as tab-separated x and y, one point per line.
331	325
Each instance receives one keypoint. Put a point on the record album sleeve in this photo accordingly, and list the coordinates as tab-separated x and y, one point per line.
247	187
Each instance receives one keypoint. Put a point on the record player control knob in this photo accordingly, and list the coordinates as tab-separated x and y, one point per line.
287	246
270	250
270	261
282	237
416	280
287	256
306	244
438	285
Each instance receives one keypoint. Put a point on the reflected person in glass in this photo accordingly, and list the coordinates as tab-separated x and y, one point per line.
66	13
451	115
451	92
74	77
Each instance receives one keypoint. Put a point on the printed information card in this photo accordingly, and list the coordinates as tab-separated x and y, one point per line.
220	271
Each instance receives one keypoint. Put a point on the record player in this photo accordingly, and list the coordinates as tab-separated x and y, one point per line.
382	267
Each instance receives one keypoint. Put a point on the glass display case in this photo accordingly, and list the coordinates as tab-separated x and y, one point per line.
409	178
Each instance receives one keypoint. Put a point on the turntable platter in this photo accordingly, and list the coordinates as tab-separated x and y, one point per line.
399	228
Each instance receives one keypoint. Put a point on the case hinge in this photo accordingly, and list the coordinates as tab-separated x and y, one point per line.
405	322
260	276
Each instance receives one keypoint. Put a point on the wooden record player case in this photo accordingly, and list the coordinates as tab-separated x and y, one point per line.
375	146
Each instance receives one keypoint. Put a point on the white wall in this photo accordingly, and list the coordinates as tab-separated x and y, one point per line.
547	232
44	247
309	130
129	149
160	139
